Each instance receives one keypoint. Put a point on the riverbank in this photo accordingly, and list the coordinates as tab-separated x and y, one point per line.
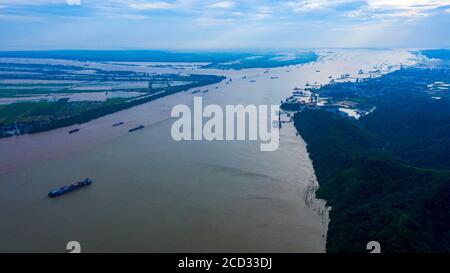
223	196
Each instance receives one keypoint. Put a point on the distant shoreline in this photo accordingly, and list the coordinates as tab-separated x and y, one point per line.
211	60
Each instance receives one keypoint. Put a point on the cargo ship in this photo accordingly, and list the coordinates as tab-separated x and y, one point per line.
74	131
69	188
137	128
117	124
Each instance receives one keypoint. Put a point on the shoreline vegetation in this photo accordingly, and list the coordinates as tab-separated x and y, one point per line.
385	175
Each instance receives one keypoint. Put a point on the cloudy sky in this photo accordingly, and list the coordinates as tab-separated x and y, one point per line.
229	24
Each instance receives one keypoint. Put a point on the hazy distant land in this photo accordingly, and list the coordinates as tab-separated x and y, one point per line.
220	60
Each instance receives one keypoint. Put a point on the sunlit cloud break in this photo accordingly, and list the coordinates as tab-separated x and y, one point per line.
224	23
73	2
223	5
151	5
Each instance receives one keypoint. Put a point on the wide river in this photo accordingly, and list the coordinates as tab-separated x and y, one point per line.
152	194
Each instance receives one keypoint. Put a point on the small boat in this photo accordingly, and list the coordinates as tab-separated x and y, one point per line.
74	131
137	128
118	124
69	188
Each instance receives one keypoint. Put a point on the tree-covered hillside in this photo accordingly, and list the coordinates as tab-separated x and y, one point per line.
387	175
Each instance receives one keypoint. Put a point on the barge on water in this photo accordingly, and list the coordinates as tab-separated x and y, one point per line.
69	188
74	131
137	128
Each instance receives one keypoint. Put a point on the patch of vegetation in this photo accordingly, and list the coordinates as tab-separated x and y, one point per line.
386	176
219	60
43	111
266	61
32	117
286	106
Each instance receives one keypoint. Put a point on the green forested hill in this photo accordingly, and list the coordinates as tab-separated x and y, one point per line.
386	176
